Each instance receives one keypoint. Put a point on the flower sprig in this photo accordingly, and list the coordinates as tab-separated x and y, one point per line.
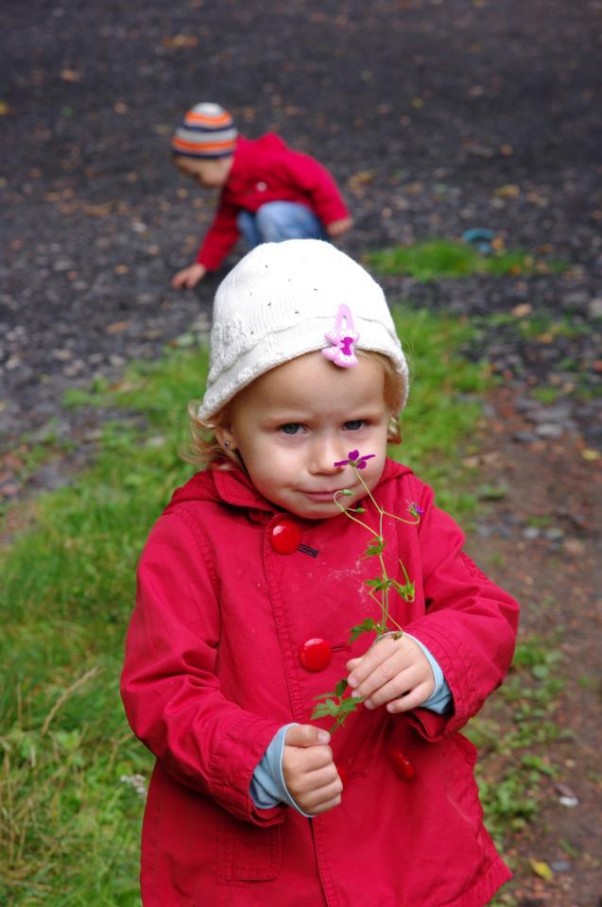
338	704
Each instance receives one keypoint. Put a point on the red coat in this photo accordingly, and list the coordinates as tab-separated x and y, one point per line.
266	170
212	671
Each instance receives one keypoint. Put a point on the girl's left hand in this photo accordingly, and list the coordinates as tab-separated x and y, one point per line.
395	672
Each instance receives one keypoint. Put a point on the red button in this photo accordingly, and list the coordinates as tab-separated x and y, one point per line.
315	654
402	765
285	537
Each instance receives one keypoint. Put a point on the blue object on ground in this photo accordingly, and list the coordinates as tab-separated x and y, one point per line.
480	238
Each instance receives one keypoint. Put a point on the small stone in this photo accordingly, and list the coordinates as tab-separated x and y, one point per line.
558	413
554	534
567	796
531	532
549	430
524	437
594	309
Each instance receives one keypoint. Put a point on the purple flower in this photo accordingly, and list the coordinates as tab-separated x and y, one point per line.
354	459
415	509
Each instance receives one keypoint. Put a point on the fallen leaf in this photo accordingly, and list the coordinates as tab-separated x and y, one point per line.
510	190
541	869
70	75
178	41
117	326
522	310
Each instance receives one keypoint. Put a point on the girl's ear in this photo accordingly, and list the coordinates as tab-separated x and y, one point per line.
224	439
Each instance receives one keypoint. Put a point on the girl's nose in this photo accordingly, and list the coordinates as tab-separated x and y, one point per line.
324	456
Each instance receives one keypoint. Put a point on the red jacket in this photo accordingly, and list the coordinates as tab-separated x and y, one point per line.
266	170
212	671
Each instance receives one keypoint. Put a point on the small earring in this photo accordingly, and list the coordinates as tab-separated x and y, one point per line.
226	444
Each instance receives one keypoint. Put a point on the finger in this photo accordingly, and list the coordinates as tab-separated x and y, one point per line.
319	792
412	700
327	800
306	735
372	660
308	758
378	693
391	671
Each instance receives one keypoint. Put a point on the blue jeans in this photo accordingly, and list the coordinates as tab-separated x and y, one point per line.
276	221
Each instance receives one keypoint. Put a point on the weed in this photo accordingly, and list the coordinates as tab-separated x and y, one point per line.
525	709
439	258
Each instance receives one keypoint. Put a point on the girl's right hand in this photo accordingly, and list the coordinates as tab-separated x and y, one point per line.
187	278
309	771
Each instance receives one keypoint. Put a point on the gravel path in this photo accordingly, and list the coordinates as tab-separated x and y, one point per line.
436	115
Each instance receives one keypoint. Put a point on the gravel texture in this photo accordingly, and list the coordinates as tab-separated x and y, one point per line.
435	115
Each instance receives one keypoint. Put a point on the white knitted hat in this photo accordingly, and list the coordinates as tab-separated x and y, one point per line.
280	302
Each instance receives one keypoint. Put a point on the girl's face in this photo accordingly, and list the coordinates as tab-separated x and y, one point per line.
291	425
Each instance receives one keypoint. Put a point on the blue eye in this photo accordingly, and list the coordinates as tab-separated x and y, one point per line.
291	428
354	425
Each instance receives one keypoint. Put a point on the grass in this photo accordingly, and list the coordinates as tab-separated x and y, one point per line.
442	258
514	733
70	777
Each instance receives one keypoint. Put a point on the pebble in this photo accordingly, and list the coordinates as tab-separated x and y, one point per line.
550	430
594	309
560	412
561	866
524	437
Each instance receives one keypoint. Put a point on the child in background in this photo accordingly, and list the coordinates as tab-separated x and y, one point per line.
247	590
268	192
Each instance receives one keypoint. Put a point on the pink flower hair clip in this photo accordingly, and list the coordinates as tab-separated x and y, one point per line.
342	340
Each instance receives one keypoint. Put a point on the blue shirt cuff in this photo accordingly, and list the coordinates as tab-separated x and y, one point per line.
268	787
441	698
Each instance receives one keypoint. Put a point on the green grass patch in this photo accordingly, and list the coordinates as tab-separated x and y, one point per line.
440	258
514	733
70	803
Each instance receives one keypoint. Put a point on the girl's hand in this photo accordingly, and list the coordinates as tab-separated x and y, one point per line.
395	672
309	771
187	278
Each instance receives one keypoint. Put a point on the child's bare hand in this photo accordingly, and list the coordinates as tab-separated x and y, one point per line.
338	227
395	672
309	771
187	278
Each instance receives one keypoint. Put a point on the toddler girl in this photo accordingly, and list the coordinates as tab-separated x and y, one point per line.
298	529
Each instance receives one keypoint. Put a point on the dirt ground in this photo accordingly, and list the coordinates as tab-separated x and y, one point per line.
436	116
556	574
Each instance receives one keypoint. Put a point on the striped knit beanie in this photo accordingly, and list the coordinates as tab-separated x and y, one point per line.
207	131
283	300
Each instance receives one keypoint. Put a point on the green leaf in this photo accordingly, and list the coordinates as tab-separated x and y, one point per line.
406	590
324	709
366	626
340	688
